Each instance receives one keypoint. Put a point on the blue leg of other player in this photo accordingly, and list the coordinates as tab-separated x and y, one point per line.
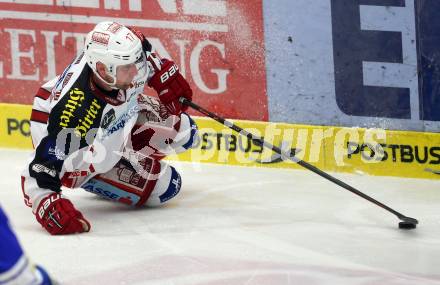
15	267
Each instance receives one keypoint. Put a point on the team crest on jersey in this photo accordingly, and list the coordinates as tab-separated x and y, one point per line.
108	118
100	38
153	109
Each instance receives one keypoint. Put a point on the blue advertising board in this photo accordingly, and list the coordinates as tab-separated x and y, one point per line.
368	63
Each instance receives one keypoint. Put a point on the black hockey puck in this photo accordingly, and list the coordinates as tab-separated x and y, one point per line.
407	225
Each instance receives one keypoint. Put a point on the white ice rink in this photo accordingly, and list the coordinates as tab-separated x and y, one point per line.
233	225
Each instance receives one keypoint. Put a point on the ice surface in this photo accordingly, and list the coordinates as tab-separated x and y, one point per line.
234	225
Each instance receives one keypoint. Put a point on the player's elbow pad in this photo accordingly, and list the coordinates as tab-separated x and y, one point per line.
186	136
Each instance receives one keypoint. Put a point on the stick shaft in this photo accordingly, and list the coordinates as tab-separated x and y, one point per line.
259	141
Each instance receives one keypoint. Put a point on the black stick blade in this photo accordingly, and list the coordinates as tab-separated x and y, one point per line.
408	223
407	226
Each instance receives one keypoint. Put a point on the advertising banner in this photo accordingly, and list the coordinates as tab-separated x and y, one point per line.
368	63
15	128
218	45
336	149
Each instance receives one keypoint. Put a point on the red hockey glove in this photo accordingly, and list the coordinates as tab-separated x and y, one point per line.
171	85
58	216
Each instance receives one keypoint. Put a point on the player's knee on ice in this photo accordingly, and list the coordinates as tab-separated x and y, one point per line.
160	183
166	188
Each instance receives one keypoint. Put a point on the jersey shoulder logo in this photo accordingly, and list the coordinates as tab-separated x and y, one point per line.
108	118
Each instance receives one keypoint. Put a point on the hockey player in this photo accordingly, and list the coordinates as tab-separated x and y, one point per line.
15	267
93	128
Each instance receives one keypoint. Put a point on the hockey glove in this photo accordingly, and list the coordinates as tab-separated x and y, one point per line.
170	85
58	216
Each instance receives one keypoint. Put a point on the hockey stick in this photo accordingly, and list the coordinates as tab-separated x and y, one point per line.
407	222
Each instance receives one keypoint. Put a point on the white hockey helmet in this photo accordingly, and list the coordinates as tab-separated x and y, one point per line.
114	45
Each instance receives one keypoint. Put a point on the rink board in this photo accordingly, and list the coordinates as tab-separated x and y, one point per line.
354	63
352	150
211	41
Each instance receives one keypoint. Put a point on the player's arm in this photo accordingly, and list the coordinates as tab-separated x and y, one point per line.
169	84
40	111
53	211
165	79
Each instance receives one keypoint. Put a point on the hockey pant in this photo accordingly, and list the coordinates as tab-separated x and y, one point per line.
124	184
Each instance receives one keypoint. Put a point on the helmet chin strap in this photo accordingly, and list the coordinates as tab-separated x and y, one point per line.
111	85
